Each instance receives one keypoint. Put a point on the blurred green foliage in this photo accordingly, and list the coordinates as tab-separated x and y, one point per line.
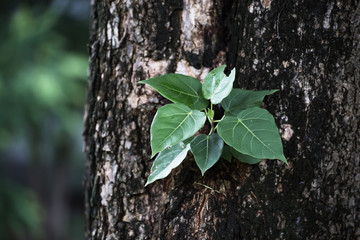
38	76
20	206
42	94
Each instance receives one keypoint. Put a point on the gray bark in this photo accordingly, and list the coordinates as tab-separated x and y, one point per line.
307	49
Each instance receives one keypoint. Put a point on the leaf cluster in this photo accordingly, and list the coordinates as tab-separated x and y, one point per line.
246	132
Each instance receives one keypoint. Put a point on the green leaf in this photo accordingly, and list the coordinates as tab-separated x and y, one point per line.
217	85
240	99
253	132
243	157
167	160
206	150
211	113
229	152
172	124
226	153
188	140
179	89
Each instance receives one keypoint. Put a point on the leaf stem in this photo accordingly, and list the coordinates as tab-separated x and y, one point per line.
212	126
211	119
208	116
211	131
216	121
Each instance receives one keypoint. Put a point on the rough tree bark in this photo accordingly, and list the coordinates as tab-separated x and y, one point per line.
308	49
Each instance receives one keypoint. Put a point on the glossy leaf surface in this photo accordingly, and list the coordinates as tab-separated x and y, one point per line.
217	85
172	124
240	99
167	160
179	89
253	132
206	150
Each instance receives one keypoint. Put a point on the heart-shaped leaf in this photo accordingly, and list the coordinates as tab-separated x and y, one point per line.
167	160
217	85
206	150
172	124
179	89
240	99
253	132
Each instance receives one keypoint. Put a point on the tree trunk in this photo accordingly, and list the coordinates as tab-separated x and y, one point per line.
308	49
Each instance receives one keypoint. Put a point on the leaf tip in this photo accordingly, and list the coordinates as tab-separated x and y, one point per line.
282	158
222	67
149	181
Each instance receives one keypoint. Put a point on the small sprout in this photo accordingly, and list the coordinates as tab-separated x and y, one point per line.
246	132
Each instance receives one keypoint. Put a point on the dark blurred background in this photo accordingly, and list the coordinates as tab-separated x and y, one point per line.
43	64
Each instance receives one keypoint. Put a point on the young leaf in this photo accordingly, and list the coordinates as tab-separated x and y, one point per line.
217	85
179	89
211	113
243	157
253	132
172	124
206	150
226	153
240	99
167	160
